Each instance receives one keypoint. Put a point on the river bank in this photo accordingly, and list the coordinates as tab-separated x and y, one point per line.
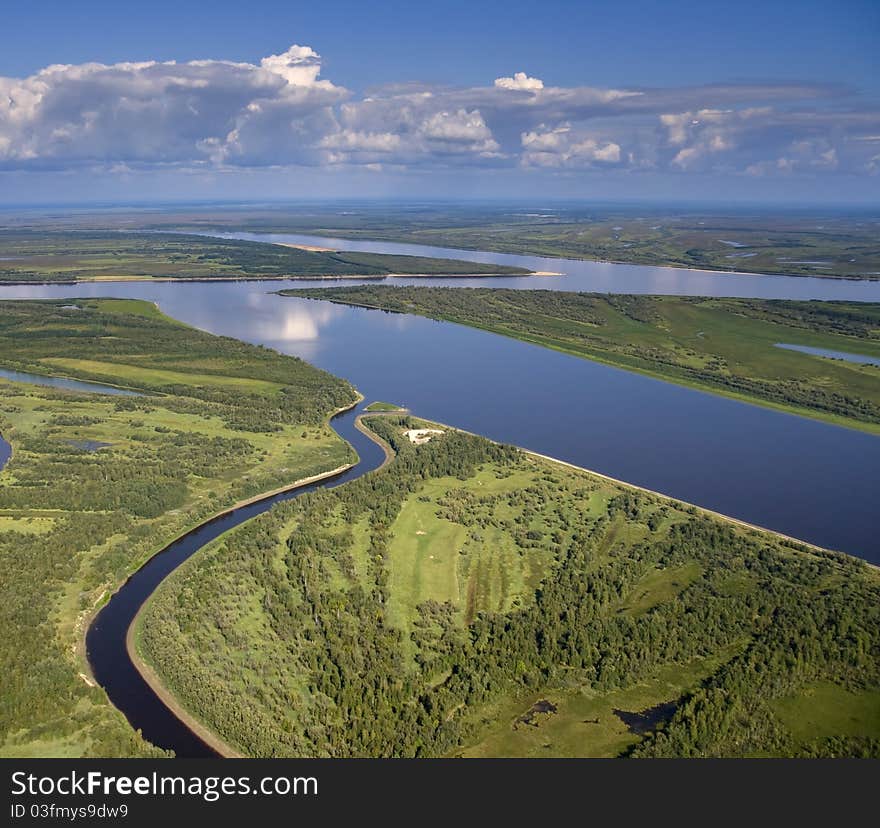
672	500
99	482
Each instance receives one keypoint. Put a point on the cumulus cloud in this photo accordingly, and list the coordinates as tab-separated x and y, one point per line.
564	147
167	112
765	141
459	131
521	82
280	111
299	66
352	141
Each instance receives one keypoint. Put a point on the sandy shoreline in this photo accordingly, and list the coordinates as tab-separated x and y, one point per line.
309	248
702	509
713	271
85	620
290	277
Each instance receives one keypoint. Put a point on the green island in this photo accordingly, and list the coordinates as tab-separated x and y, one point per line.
827	243
97	484
726	346
383	406
71	256
470	599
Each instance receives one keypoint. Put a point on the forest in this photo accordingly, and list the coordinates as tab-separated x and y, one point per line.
97	483
70	256
727	346
471	599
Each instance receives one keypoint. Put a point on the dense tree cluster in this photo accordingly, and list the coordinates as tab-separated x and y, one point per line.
279	636
146	481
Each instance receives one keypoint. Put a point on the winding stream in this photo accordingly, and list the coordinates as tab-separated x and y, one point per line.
106	637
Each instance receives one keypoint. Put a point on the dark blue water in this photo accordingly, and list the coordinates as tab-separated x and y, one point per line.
804	478
105	640
63	382
861	359
55	382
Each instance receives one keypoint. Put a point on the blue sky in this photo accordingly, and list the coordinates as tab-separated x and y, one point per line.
759	100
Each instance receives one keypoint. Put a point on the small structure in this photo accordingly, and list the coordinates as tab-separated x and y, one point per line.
419	436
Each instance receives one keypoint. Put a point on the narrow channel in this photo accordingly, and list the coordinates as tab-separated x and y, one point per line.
106	637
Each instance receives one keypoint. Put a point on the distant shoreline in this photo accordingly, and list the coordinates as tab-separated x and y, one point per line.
330	277
575	258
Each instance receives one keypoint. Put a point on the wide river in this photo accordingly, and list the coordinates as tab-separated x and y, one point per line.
807	479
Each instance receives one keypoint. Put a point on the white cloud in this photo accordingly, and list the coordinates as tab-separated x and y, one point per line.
561	146
459	131
763	141
153	112
520	81
279	111
353	141
299	66
456	126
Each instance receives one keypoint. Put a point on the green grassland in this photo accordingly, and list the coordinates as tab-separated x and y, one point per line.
584	724
798	242
229	421
726	346
27	256
827	710
426	609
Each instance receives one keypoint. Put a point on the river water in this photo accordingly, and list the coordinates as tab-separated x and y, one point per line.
599	277
65	384
808	479
804	478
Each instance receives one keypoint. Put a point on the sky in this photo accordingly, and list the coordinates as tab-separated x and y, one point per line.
680	100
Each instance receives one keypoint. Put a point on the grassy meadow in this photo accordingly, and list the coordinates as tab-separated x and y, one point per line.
382	406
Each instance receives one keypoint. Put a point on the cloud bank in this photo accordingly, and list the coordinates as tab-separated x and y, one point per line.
280	112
